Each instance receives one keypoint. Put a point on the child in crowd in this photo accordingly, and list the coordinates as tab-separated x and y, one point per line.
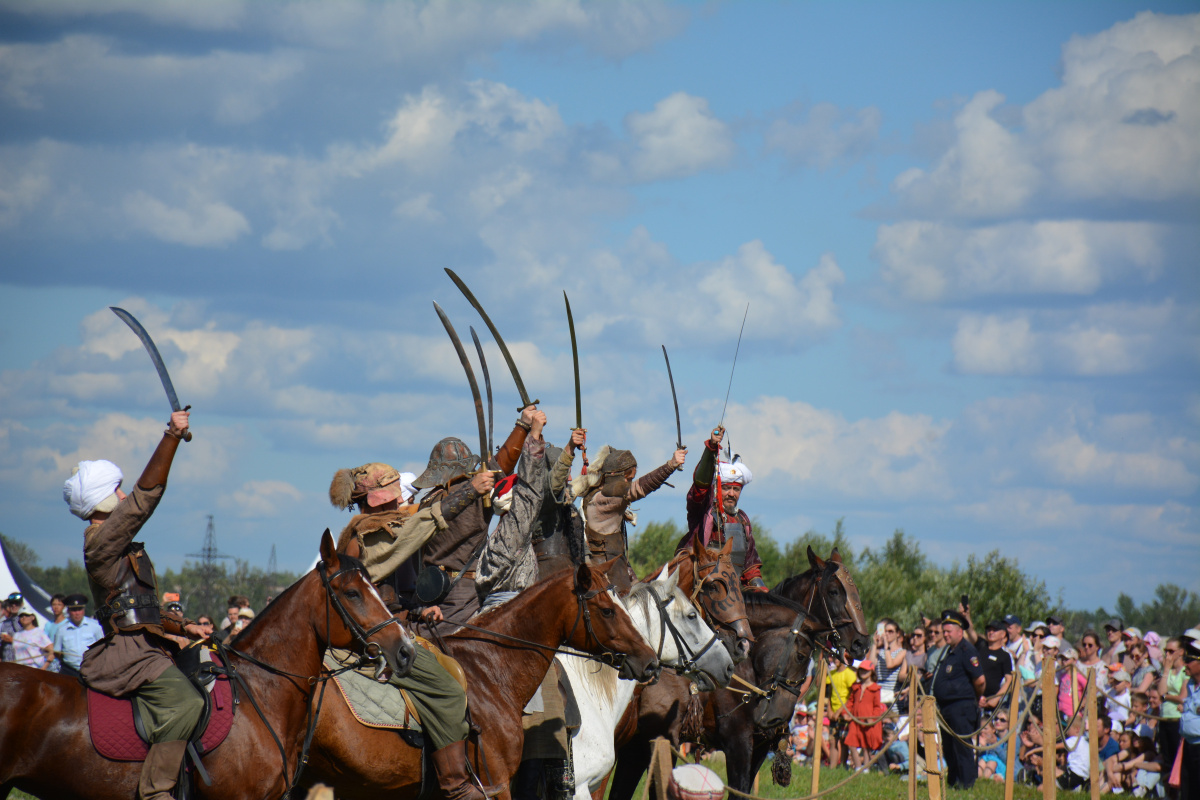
1120	699
1115	774
1074	772
1138	723
866	704
1072	682
992	766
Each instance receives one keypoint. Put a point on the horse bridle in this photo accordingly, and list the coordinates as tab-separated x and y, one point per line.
371	652
688	666
608	656
715	576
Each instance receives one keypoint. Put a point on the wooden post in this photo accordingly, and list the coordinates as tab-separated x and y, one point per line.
658	775
1049	731
1093	737
933	770
1014	710
819	727
912	734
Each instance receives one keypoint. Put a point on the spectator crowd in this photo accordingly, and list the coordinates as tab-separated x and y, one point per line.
1148	694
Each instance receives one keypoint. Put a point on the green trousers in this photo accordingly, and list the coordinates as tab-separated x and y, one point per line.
441	703
169	706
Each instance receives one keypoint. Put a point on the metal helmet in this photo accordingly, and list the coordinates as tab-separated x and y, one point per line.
450	459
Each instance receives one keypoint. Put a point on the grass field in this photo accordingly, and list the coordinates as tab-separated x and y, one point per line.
869	786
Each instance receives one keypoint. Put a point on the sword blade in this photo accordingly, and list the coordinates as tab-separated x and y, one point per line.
512	365
731	369
575	361
487	384
485	454
675	400
155	356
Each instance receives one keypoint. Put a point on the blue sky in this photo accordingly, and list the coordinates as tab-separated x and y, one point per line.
964	232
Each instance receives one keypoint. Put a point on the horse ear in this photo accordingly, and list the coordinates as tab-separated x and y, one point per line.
836	557
328	551
728	548
662	575
672	580
583	578
815	560
698	546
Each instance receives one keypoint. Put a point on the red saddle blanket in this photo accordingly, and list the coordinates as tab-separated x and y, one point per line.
110	720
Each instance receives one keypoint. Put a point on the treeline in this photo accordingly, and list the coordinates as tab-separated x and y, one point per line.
201	591
899	581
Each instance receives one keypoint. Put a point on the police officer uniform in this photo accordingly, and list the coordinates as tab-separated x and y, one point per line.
954	690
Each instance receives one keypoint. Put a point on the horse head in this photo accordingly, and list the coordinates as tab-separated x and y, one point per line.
355	617
682	638
834	599
716	588
780	658
604	628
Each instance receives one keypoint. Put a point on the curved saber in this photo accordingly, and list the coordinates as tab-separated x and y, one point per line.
486	455
575	361
156	358
512	365
487	384
675	400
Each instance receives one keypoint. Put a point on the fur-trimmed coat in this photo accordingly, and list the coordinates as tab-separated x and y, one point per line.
508	563
389	538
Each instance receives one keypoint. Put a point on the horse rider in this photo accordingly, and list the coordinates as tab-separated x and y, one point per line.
541	535
135	657
607	491
455	549
705	505
385	535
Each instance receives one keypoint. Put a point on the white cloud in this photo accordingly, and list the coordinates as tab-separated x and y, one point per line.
985	173
1114	339
1123	126
826	136
680	137
200	224
936	261
1074	460
263	499
894	456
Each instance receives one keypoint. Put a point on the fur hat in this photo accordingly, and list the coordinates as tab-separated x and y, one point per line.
580	484
375	482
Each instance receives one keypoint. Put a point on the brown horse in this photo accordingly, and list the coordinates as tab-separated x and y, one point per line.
504	664
822	608
44	722
719	593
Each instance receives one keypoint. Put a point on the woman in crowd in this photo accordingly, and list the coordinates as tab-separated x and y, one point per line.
31	646
1171	686
1089	657
206	624
916	649
890	662
1142	676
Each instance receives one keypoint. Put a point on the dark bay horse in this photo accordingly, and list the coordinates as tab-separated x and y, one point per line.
708	577
43	716
504	665
746	727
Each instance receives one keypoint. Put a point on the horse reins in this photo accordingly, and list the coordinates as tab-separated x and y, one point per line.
689	662
371	652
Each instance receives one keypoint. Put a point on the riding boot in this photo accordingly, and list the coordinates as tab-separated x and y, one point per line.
560	774
450	763
160	771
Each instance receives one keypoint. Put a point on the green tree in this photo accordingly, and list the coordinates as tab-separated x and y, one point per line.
24	555
795	554
654	546
1172	611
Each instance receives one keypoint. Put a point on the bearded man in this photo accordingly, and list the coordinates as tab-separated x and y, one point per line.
705	506
455	550
607	491
386	533
134	658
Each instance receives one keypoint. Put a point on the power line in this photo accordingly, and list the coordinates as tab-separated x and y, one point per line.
207	594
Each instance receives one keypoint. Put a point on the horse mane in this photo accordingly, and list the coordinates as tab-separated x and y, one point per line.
347	562
772	599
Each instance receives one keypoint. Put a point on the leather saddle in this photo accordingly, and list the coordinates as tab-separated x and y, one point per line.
117	730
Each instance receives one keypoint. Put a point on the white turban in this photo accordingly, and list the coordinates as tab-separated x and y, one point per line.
737	472
407	490
91	484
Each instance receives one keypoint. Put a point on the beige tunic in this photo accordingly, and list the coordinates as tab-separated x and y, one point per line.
121	662
390	538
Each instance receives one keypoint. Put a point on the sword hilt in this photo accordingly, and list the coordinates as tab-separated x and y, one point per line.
187	435
527	405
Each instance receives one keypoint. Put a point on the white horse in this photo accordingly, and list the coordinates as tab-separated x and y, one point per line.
666	618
